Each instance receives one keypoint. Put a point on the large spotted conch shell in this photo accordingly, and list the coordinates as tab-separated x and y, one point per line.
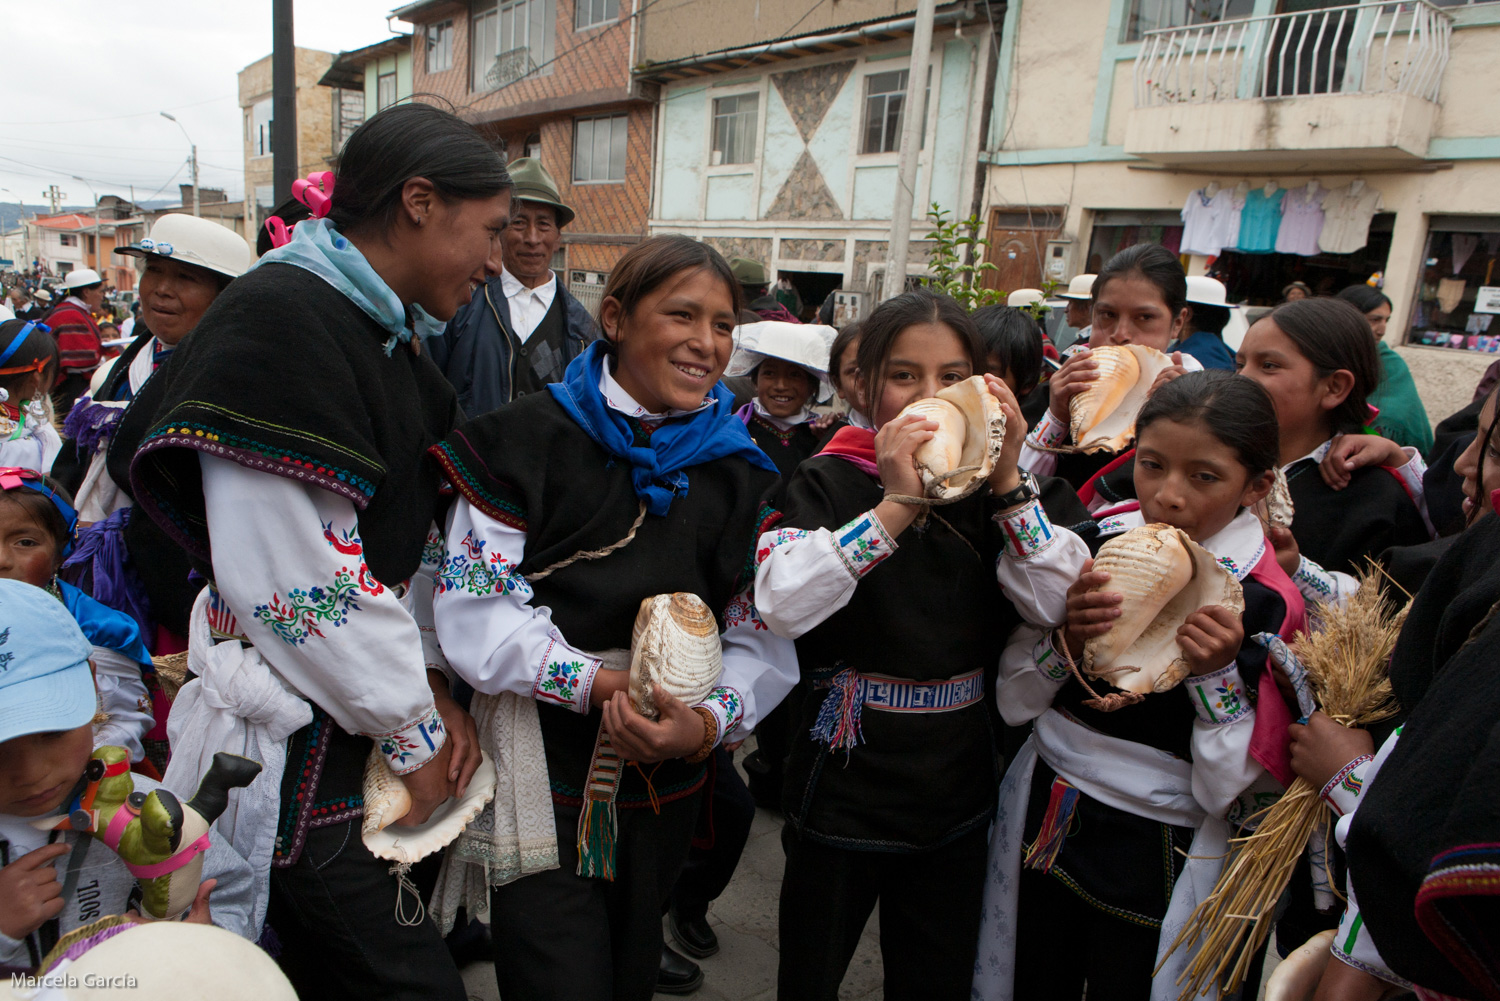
675	644
387	801
961	453
1163	577
1276	509
1103	416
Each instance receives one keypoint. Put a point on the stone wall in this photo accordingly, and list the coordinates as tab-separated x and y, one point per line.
812	250
757	248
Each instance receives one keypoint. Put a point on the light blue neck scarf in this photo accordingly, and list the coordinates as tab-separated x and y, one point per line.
318	247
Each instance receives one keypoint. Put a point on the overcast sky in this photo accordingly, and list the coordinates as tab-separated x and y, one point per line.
82	82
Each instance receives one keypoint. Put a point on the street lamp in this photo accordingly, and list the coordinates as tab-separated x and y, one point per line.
194	161
98	257
25	236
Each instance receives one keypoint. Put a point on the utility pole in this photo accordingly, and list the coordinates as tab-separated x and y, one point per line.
54	198
98	255
283	100
193	159
911	124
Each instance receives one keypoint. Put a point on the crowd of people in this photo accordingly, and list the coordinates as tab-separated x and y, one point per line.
392	496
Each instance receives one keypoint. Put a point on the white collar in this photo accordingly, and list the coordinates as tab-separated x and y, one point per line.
513	286
801	417
1317	455
1238	546
618	399
857	419
74	298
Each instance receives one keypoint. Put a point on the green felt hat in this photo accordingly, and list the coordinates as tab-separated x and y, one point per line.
748	272
534	184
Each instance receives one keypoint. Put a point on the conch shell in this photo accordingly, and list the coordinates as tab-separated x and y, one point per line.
962	452
1163	577
387	801
675	644
1103	416
1277	509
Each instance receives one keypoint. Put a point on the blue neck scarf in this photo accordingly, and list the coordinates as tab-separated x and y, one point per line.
318	247
657	470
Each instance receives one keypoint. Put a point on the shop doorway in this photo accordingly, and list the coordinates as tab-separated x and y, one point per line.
1018	245
812	288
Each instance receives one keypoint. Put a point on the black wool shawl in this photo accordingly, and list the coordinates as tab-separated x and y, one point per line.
1424	844
931	611
286	375
530	466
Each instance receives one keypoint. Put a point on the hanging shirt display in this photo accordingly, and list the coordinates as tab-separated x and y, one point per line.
1302	222
1346	218
1209	222
1260	220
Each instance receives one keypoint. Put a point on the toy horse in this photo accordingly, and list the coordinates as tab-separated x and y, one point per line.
160	839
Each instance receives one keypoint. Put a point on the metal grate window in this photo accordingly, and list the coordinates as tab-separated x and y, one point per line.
1151	15
510	40
592	12
351	114
734	128
599	148
440	46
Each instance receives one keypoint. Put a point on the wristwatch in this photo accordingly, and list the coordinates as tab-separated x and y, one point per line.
1027	491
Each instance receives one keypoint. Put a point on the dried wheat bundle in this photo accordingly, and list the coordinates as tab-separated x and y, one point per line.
1347	660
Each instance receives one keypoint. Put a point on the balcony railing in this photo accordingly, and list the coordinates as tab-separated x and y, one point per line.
509	67
1368	48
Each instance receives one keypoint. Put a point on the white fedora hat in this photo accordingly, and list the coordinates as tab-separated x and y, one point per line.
1024	297
192	240
1079	287
81	278
1207	291
803	344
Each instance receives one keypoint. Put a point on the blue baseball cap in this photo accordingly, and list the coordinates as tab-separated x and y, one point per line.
45	681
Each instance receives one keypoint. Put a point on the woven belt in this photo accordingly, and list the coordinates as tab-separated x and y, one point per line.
838	722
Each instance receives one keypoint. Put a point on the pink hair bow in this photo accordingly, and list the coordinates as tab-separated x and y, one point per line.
316	192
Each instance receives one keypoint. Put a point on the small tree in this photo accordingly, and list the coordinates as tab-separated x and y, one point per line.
950	273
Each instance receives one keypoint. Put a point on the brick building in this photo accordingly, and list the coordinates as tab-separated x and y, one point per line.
551	79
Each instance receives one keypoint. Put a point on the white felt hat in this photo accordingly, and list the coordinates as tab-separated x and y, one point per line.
193	240
81	278
1207	291
1024	297
1079	287
803	344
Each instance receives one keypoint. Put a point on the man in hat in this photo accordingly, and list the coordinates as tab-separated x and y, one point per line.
1080	299
522	328
1204	332
753	281
78	343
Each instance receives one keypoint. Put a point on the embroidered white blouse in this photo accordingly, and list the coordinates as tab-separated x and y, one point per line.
28	443
289	565
499	640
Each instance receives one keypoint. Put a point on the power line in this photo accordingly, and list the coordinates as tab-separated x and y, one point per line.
115	118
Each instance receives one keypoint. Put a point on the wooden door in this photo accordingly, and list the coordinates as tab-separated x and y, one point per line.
1018	246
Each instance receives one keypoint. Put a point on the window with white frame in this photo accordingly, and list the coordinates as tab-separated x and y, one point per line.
260	128
885	111
1150	15
599	148
592	12
385	90
509	40
734	129
67	240
440	46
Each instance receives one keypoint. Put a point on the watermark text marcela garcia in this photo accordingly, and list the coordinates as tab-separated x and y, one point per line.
63	980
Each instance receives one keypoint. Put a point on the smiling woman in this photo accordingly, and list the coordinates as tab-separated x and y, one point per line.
283	446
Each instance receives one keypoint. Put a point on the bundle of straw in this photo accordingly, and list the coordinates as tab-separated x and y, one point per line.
1347	659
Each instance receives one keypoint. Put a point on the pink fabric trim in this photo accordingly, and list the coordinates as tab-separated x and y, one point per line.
1270	742
117	824
171	865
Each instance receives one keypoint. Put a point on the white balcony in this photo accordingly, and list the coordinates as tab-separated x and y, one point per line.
1355	85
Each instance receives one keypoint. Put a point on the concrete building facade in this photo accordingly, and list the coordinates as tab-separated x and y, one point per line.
314	129
1109	116
365	80
784	147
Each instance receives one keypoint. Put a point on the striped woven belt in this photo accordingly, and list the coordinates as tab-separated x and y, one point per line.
901	696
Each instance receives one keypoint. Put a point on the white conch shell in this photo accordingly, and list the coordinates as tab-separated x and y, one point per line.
1163	577
1296	977
1103	416
1277	509
971	430
675	644
387	801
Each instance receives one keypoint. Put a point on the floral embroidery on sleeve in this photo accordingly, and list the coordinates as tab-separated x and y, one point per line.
741	611
1219	698
863	544
471	570
566	677
432	548
304	612
727	706
411	747
782	536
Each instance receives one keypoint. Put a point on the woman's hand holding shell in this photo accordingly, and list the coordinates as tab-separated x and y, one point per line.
895	448
1090	613
1007	475
428	786
1210	638
677	734
463	735
1166	375
1075	376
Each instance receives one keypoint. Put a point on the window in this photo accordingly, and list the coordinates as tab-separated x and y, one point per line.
440	46
734	129
385	90
67	239
1150	15
534	145
592	12
599	149
510	39
349	114
260	128
91	244
265	200
885	98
